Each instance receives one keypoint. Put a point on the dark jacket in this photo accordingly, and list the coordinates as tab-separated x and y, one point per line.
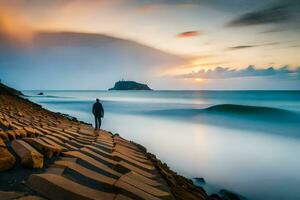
98	109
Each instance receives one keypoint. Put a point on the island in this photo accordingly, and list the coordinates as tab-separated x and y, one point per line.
130	85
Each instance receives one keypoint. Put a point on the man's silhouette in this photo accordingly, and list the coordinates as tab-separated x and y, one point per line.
98	113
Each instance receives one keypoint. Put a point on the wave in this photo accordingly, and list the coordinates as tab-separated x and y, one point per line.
256	118
234	110
48	96
245	109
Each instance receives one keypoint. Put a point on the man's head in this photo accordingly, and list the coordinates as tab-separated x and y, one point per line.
97	100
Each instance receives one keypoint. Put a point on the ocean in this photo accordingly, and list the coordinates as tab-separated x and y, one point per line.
247	142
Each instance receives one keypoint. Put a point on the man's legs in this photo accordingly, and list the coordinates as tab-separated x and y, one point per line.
96	122
99	122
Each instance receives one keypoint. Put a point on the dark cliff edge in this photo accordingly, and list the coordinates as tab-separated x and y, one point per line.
9	90
130	85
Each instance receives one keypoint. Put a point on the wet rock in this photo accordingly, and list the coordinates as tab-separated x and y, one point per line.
10	195
228	195
199	180
7	160
181	187
4	136
30	158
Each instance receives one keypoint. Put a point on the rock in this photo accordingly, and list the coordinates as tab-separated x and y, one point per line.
47	149
10	195
31	197
181	187
9	90
199	180
228	195
41	93
130	85
2	143
7	160
4	136
30	158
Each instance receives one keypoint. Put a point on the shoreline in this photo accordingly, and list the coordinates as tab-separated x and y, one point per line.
179	186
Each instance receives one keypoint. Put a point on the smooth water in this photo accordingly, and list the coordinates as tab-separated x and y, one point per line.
253	151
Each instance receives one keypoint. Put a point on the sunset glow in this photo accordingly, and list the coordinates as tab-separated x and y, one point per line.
177	29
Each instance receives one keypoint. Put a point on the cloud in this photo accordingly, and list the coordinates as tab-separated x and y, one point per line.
241	47
251	46
188	34
270	15
282	12
13	24
225	73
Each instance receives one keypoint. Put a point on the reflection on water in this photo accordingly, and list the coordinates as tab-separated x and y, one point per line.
257	163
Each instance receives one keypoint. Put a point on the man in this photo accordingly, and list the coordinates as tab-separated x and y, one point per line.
98	113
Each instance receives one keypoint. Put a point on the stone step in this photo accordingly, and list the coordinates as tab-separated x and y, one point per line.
92	162
2	143
105	139
11	135
31	132
9	195
70	136
63	144
115	156
30	157
127	145
30	197
128	150
122	197
83	141
71	147
136	176
54	128
62	138
87	140
130	155
98	156
20	132
56	187
103	147
87	172
51	142
99	150
110	181
136	169
48	150
138	192
89	132
134	162
110	144
42	130
7	160
145	187
76	144
4	136
75	134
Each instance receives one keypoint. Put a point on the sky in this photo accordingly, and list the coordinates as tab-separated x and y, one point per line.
168	44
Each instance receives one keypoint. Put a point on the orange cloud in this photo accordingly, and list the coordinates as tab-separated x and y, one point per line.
188	34
13	26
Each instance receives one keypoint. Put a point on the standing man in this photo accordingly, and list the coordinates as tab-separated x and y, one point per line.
98	113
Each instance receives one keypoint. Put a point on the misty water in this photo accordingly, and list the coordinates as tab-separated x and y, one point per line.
252	149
